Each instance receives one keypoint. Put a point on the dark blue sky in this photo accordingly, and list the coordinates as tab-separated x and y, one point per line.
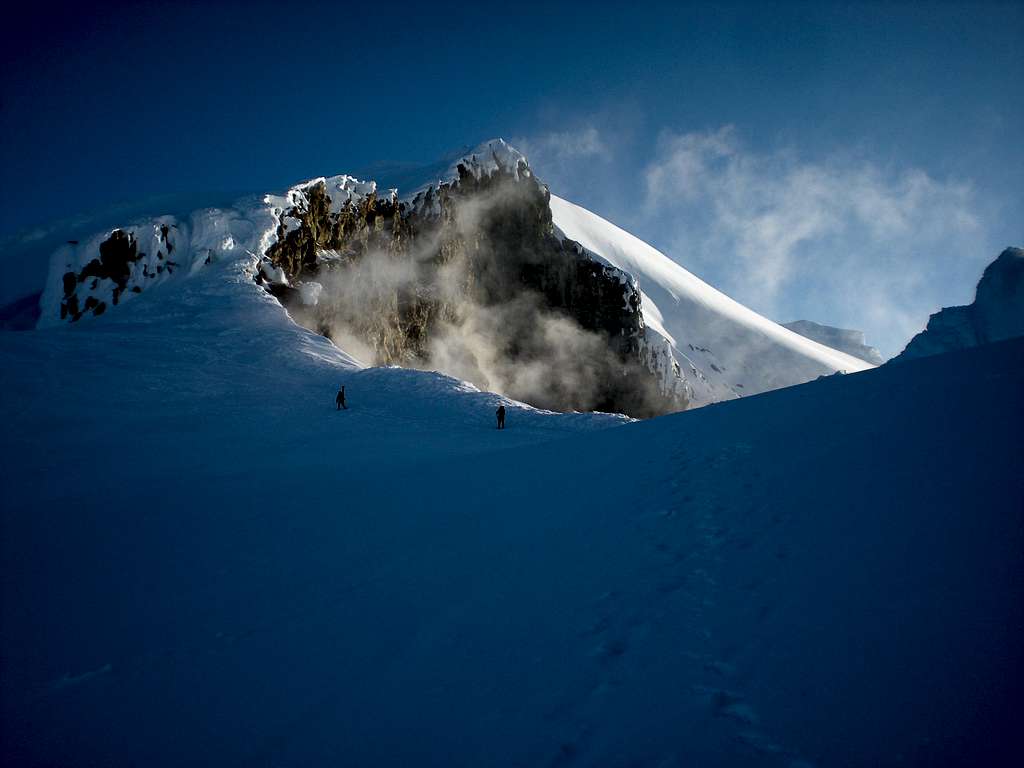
105	104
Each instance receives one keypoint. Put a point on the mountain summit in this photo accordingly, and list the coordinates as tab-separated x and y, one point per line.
476	271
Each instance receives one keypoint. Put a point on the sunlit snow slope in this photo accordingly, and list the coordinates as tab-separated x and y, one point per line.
204	563
728	348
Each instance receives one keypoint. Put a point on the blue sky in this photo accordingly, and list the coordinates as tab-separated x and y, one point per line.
855	163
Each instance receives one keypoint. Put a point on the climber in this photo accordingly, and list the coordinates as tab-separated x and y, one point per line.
340	399
501	416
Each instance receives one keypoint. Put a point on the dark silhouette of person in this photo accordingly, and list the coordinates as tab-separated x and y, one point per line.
340	399
501	416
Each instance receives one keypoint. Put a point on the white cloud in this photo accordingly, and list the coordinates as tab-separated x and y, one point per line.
840	239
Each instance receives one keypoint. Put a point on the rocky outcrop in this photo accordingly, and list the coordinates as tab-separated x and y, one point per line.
340	223
996	313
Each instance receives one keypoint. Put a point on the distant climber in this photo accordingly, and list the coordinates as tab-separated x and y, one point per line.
501	416
340	399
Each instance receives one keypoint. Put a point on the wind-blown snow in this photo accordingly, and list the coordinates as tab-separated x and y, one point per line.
736	350
204	563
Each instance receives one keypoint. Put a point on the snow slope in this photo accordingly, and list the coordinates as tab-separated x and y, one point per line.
729	349
205	564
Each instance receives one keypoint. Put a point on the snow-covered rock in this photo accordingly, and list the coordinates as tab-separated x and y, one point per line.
996	313
89	277
844	339
490	157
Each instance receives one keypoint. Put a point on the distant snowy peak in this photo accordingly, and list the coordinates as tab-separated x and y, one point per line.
996	313
844	339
